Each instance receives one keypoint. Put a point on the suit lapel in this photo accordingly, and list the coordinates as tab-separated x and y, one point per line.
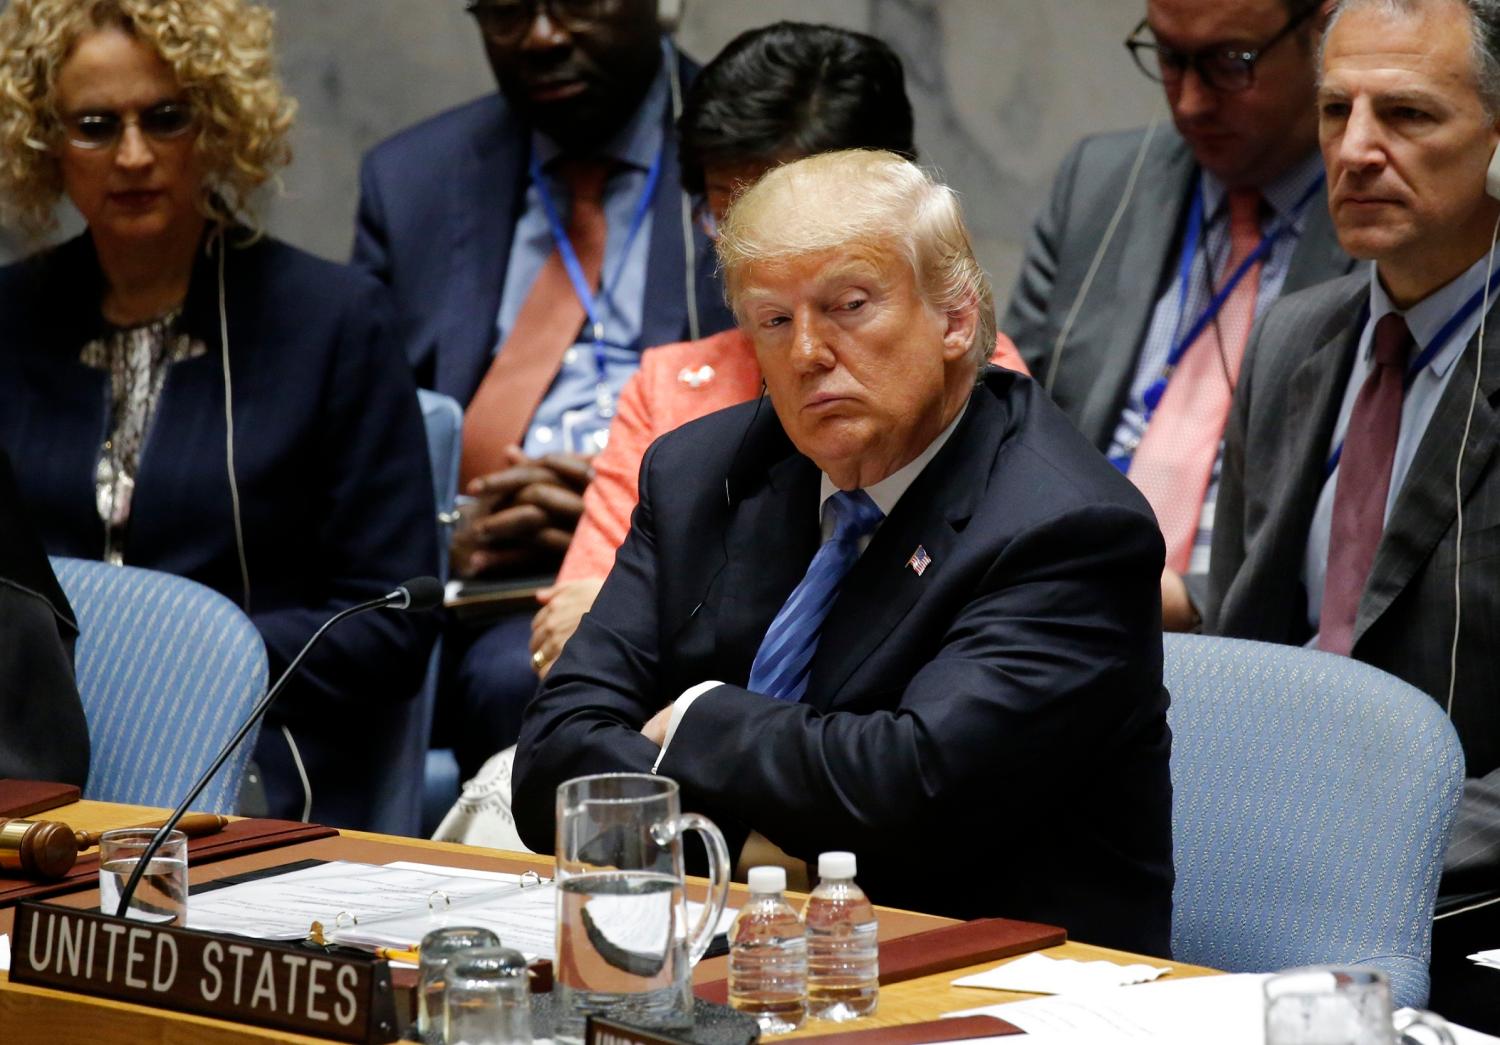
664	319
880	590
771	537
1425	508
1313	394
492	173
1148	237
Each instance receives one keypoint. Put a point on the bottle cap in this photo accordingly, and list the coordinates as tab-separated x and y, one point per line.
836	865
767	879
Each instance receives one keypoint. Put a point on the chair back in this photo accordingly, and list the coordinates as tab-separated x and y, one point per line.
1312	798
168	670
397	809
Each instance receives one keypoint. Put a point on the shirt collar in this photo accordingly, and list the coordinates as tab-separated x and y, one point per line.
1428	316
637	143
1281	194
888	491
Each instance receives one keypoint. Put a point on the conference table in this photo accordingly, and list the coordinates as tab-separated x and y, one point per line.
47	1017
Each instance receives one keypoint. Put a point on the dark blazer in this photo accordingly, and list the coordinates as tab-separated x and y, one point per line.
334	482
1097	364
43	734
989	737
438	206
1275	456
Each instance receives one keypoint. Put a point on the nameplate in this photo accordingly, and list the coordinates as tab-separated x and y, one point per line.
228	977
601	1031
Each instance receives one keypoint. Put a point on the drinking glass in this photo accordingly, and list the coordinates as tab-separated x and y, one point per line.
437	949
487	1002
1331	1005
624	947
161	894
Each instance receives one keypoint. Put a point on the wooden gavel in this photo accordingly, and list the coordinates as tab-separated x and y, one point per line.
48	849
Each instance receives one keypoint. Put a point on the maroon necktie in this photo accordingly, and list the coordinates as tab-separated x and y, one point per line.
1363	485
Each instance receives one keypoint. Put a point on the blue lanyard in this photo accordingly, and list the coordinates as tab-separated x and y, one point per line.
1424	360
575	269
1152	397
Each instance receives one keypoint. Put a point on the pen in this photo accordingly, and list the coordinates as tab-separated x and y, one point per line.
398	955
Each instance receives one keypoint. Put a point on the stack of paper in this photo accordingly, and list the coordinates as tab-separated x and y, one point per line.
1224	1010
1039	974
1489	959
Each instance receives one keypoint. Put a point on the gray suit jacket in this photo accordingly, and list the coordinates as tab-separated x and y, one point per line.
1275	458
1096	365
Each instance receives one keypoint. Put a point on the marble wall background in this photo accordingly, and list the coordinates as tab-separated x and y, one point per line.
1000	87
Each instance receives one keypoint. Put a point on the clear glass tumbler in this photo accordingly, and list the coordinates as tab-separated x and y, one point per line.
438	947
487	1002
1330	1005
161	895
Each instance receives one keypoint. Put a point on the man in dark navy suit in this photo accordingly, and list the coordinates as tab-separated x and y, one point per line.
895	609
535	243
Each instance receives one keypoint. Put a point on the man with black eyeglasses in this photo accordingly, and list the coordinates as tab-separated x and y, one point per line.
535	242
1160	247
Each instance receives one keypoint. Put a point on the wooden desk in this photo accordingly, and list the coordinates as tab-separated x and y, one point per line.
38	1016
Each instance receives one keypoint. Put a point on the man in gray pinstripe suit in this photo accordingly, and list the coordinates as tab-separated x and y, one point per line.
1099	317
1409	118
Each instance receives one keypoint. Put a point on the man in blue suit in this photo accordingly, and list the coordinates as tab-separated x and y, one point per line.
470	219
898	606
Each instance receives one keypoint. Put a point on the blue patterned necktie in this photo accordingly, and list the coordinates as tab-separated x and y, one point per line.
785	654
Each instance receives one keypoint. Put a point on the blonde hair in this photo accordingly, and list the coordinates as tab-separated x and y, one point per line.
220	52
835	199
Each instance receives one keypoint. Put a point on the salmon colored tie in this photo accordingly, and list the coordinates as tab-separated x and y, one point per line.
1175	460
546	327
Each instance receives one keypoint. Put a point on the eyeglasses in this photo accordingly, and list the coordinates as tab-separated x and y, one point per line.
509	20
103	129
1220	67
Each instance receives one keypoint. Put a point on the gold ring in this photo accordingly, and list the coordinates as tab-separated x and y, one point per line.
538	660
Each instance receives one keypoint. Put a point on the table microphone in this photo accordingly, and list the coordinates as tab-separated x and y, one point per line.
414	596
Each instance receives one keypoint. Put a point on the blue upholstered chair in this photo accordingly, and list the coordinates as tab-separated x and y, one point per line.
167	669
398	808
1312	800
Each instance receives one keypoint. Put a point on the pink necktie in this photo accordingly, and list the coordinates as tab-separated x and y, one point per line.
1175	460
1364	484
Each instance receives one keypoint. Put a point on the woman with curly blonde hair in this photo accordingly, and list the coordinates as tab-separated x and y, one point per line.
181	393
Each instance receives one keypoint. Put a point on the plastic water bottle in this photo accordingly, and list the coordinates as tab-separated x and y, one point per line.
843	959
768	956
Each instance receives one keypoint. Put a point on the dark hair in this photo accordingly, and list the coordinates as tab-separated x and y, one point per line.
791	90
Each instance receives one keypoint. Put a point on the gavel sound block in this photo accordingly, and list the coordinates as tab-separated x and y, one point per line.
47	849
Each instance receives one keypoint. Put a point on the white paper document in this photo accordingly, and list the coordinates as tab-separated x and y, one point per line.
1489	959
395	905
4	953
1225	1010
335	894
1038	974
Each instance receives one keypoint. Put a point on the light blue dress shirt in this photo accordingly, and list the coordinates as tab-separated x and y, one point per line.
1169	322
570	406
1424	320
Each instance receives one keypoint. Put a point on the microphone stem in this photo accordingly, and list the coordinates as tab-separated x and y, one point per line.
162	832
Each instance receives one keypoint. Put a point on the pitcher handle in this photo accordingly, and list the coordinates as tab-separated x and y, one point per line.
718	879
1405	1019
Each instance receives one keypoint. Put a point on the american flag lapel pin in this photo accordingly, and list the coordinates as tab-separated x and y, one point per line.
919	561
